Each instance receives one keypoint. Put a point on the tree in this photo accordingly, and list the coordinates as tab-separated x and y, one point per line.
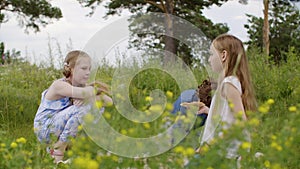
266	28
30	13
284	20
190	10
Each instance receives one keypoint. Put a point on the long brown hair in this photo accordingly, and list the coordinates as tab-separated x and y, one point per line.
237	64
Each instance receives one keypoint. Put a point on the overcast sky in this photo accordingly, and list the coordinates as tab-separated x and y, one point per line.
75	25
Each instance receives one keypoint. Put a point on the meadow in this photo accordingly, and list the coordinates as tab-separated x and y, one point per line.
274	127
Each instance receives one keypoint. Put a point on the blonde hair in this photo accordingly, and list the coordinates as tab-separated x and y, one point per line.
237	64
71	60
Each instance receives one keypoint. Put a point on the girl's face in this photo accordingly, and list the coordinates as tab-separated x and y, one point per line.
81	71
215	60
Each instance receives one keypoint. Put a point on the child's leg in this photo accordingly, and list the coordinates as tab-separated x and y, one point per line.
70	128
63	119
58	151
60	120
65	123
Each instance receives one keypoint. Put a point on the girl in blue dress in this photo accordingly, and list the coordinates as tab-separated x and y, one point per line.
64	103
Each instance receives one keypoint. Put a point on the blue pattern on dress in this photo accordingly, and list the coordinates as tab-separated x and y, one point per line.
59	117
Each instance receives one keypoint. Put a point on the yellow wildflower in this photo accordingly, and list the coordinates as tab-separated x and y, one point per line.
263	109
179	149
270	101
2	145
169	106
146	125
276	166
169	94
292	108
204	148
92	164
109	104
189	151
70	153
279	148
99	158
114	158
148	99
13	145
240	114
124	132
98	104
254	122
107	115
231	105
273	137
21	140
276	146
80	162
246	145
79	127
156	108
267	164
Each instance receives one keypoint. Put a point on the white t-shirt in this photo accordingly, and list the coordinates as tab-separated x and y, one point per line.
220	112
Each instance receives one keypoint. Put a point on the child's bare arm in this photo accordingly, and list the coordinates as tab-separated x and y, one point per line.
64	89
105	99
234	97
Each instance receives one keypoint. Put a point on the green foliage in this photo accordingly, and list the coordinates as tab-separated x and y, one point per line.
284	20
21	87
31	14
189	10
274	127
10	56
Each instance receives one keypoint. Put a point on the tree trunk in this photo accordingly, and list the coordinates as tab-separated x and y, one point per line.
266	28
170	43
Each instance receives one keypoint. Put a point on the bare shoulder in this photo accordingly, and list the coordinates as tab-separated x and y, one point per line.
230	92
59	84
54	91
233	95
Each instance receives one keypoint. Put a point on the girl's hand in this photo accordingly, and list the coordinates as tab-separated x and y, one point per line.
101	87
198	150
202	149
78	102
197	104
107	101
203	109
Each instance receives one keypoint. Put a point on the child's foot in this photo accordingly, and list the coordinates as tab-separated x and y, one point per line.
57	155
68	161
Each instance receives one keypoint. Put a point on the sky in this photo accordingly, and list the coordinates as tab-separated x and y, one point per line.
75	28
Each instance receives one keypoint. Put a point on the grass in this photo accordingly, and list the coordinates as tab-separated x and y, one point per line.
274	127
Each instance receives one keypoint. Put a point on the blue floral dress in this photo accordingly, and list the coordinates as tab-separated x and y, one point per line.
59	117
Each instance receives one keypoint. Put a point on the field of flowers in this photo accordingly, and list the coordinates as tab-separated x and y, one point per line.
274	128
